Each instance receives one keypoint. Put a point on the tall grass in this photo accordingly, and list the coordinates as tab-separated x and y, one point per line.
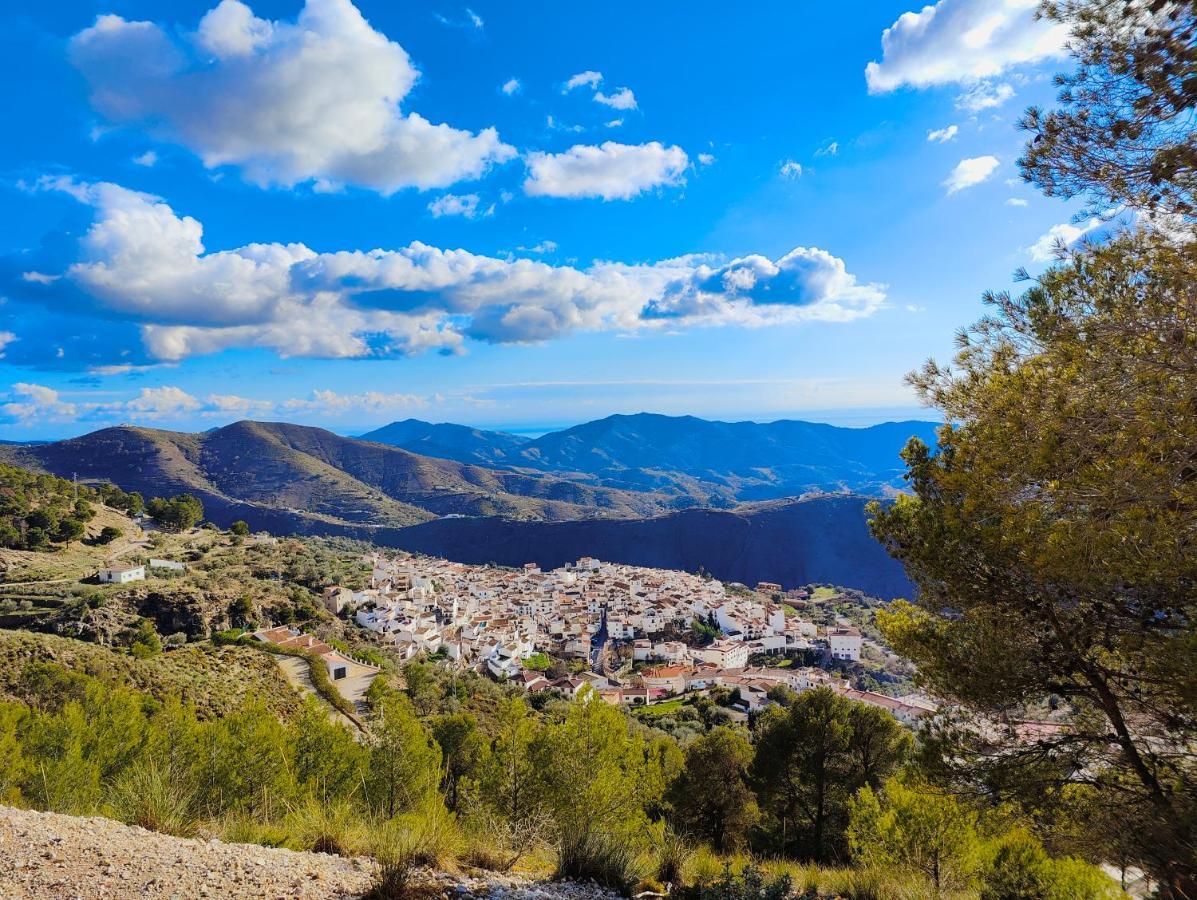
704	868
673	853
426	836
604	857
157	798
334	827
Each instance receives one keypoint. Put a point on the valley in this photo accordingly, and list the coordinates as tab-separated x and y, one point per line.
478	496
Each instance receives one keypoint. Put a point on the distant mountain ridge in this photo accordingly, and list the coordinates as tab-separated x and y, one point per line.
293	478
644	489
449	441
695	461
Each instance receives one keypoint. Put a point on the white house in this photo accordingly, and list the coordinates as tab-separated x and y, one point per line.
844	643
725	654
122	576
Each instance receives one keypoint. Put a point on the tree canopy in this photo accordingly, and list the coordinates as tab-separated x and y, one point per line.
1123	131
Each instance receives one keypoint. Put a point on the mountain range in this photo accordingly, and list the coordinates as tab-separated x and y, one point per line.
668	491
692	461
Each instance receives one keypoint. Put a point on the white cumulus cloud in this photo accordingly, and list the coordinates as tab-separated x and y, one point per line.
162	403
331	403
612	171
984	95
621	98
34	402
142	263
959	41
511	86
317	99
1062	235
464	205
584	79
942	135
969	172
233	405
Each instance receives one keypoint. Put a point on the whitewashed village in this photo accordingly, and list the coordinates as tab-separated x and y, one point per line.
622	626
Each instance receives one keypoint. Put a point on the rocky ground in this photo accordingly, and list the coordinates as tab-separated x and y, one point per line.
46	856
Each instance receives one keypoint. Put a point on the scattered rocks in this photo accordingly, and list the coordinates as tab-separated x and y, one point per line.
46	856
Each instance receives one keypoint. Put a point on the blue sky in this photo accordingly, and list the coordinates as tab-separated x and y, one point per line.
507	214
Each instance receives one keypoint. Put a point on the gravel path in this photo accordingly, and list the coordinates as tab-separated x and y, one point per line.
46	856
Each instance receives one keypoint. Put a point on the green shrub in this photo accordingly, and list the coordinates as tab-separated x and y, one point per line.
334	827
108	534
750	883
158	798
673	853
606	858
1018	868
392	880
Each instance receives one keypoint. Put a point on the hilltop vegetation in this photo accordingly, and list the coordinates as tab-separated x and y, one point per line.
38	510
457	768
41	670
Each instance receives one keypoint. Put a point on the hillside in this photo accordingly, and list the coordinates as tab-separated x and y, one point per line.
795	542
694	460
290	478
218	680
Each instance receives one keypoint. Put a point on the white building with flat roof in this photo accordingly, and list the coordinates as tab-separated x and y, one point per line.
122	576
844	643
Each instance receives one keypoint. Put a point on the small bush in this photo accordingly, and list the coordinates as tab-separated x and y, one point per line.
333	827
157	798
242	828
750	883
1018	868
108	534
608	859
673	852
392	882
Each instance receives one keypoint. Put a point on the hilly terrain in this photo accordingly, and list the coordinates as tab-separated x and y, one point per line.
291	478
791	542
649	490
694	461
449	441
